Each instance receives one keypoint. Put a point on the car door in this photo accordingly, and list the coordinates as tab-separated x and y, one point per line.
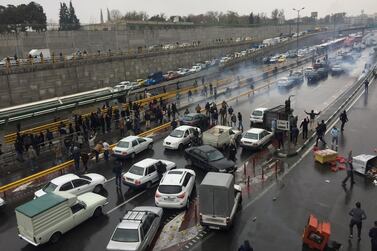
146	234
186	137
81	186
136	146
152	174
143	144
203	161
79	213
66	187
187	183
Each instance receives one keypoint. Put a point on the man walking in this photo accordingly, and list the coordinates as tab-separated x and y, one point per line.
366	85
304	125
240	125
349	168
334	138
373	236
344	119
320	131
106	153
357	216
76	154
117	170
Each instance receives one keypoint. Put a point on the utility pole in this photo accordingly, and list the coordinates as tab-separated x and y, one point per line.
298	29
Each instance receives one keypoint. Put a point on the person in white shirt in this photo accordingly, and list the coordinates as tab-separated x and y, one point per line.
106	148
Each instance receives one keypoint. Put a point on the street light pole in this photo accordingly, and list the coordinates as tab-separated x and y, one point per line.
298	30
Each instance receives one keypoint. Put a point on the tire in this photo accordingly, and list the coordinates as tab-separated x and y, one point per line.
55	237
97	189
132	155
150	146
97	212
180	147
148	185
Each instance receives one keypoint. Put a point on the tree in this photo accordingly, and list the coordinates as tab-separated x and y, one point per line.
281	16
74	22
274	15
251	18
108	15
158	18
63	17
115	15
135	16
101	17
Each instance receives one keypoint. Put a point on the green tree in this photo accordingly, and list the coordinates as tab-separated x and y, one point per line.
63	17
251	18
74	22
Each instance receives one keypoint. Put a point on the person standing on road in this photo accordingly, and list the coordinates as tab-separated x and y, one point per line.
366	85
76	158
349	168
334	138
304	124
240	125
357	216
85	158
320	131
312	116
232	151
198	108
32	156
117	170
97	150
373	236
344	119
106	153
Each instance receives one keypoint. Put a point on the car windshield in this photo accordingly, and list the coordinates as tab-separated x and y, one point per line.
214	155
177	134
166	189
257	113
85	177
188	118
49	187
125	235
123	144
250	135
137	170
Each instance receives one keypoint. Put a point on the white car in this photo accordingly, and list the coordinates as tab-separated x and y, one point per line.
255	138
136	229
2	202
146	172
175	189
180	137
195	68
183	71
130	146
74	184
126	85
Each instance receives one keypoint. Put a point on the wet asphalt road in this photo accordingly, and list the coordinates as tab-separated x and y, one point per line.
94	234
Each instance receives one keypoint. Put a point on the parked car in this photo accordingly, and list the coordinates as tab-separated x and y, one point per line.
126	85
46	218
183	71
282	59
195	119
12	61
131	145
255	138
209	158
175	189
155	78
221	136
170	75
336	70
141	82
146	172
195	68
136	229
89	182
219	200
2	202
180	137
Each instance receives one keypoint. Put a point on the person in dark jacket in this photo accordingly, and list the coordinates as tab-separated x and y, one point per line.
304	125
357	216
232	152
373	236
85	158
320	131
312	116
117	170
344	119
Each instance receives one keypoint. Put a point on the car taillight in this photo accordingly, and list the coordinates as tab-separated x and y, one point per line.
181	196
200	217
157	194
137	182
227	219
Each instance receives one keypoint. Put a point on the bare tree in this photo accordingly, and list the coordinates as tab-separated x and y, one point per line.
115	15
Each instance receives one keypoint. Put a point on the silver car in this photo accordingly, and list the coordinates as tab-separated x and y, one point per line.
136	229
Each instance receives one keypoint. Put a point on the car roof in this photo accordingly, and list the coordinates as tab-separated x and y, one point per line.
261	109
173	177
184	127
129	138
64	179
255	130
146	162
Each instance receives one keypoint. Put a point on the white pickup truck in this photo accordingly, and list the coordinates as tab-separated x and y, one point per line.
46	218
221	136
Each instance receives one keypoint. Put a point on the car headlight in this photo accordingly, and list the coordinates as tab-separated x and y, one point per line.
222	170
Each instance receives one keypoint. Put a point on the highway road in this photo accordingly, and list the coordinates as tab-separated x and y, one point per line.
94	234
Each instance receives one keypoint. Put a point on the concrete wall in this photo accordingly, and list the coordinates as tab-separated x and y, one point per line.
59	80
130	37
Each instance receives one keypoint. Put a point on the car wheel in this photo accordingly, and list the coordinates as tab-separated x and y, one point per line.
132	155
150	146
180	147
148	185
98	189
97	212
55	237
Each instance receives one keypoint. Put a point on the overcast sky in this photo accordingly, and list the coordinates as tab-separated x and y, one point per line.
88	10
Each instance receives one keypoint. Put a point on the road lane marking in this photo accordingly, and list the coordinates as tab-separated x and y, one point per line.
125	202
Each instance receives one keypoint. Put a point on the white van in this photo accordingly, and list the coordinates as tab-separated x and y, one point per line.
257	115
